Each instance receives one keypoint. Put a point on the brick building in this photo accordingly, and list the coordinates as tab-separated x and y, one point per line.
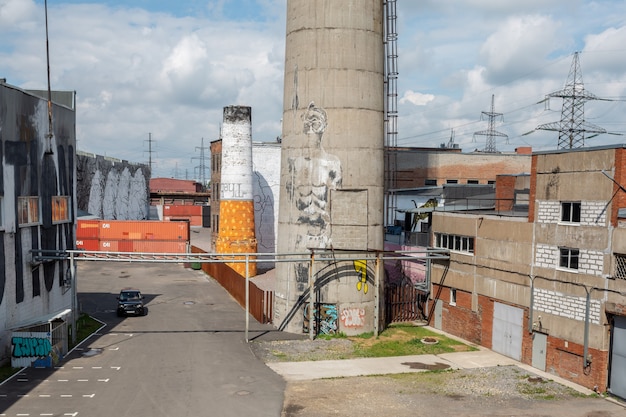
420	167
547	288
181	200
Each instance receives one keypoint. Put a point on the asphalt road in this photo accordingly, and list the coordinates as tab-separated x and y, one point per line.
187	357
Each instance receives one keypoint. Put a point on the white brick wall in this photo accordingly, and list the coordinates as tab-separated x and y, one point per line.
548	211
559	304
546	256
589	262
592	213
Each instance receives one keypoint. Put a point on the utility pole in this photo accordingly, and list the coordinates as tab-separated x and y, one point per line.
572	126
491	131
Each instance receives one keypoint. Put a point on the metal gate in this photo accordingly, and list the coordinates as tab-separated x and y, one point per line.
617	380
404	303
507	330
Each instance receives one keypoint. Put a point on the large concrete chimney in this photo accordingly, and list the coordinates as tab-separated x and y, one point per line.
236	224
332	164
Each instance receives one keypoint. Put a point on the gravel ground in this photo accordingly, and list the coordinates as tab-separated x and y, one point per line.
481	392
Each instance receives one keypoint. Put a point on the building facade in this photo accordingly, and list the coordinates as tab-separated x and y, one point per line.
424	167
549	288
37	213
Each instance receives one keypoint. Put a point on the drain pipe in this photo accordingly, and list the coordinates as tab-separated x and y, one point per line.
532	304
586	358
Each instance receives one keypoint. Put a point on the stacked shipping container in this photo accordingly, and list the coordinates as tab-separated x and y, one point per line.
190	213
132	236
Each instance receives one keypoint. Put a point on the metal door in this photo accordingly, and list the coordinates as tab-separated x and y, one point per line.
617	383
507	330
540	342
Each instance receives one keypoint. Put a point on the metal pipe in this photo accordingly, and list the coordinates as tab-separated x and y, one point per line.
311	299
586	361
247	297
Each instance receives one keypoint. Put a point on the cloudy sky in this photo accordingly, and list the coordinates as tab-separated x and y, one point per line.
152	76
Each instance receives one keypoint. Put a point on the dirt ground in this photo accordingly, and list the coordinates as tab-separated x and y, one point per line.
424	394
483	392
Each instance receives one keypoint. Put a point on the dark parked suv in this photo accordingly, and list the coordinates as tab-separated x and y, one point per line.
130	301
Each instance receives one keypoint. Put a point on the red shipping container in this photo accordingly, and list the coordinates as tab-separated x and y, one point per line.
159	246
108	246
87	229
88	244
143	230
184	211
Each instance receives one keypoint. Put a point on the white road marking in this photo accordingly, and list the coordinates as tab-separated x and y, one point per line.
89	395
103	380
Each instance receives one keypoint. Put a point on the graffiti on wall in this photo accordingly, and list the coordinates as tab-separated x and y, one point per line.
30	347
361	268
312	176
112	189
324	314
353	317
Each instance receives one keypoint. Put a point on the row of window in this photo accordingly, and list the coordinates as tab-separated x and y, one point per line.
433	182
568	257
28	210
454	242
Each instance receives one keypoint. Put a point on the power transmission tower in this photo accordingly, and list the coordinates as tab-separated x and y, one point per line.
491	131
572	126
150	152
202	168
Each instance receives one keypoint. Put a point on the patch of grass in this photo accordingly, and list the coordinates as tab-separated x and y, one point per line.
403	340
87	326
7	371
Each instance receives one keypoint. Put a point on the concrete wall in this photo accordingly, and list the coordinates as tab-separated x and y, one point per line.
36	167
332	147
266	191
113	189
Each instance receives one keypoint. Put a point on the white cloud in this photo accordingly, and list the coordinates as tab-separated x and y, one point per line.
169	73
418	99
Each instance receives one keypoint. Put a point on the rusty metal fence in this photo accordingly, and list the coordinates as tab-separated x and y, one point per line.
260	301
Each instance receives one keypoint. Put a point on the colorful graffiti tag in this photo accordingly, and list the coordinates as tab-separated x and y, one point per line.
31	347
324	314
353	317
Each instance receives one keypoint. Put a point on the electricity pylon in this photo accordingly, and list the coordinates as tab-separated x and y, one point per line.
491	131
572	126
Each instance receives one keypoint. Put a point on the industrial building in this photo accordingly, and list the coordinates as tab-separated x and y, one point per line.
37	215
546	288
